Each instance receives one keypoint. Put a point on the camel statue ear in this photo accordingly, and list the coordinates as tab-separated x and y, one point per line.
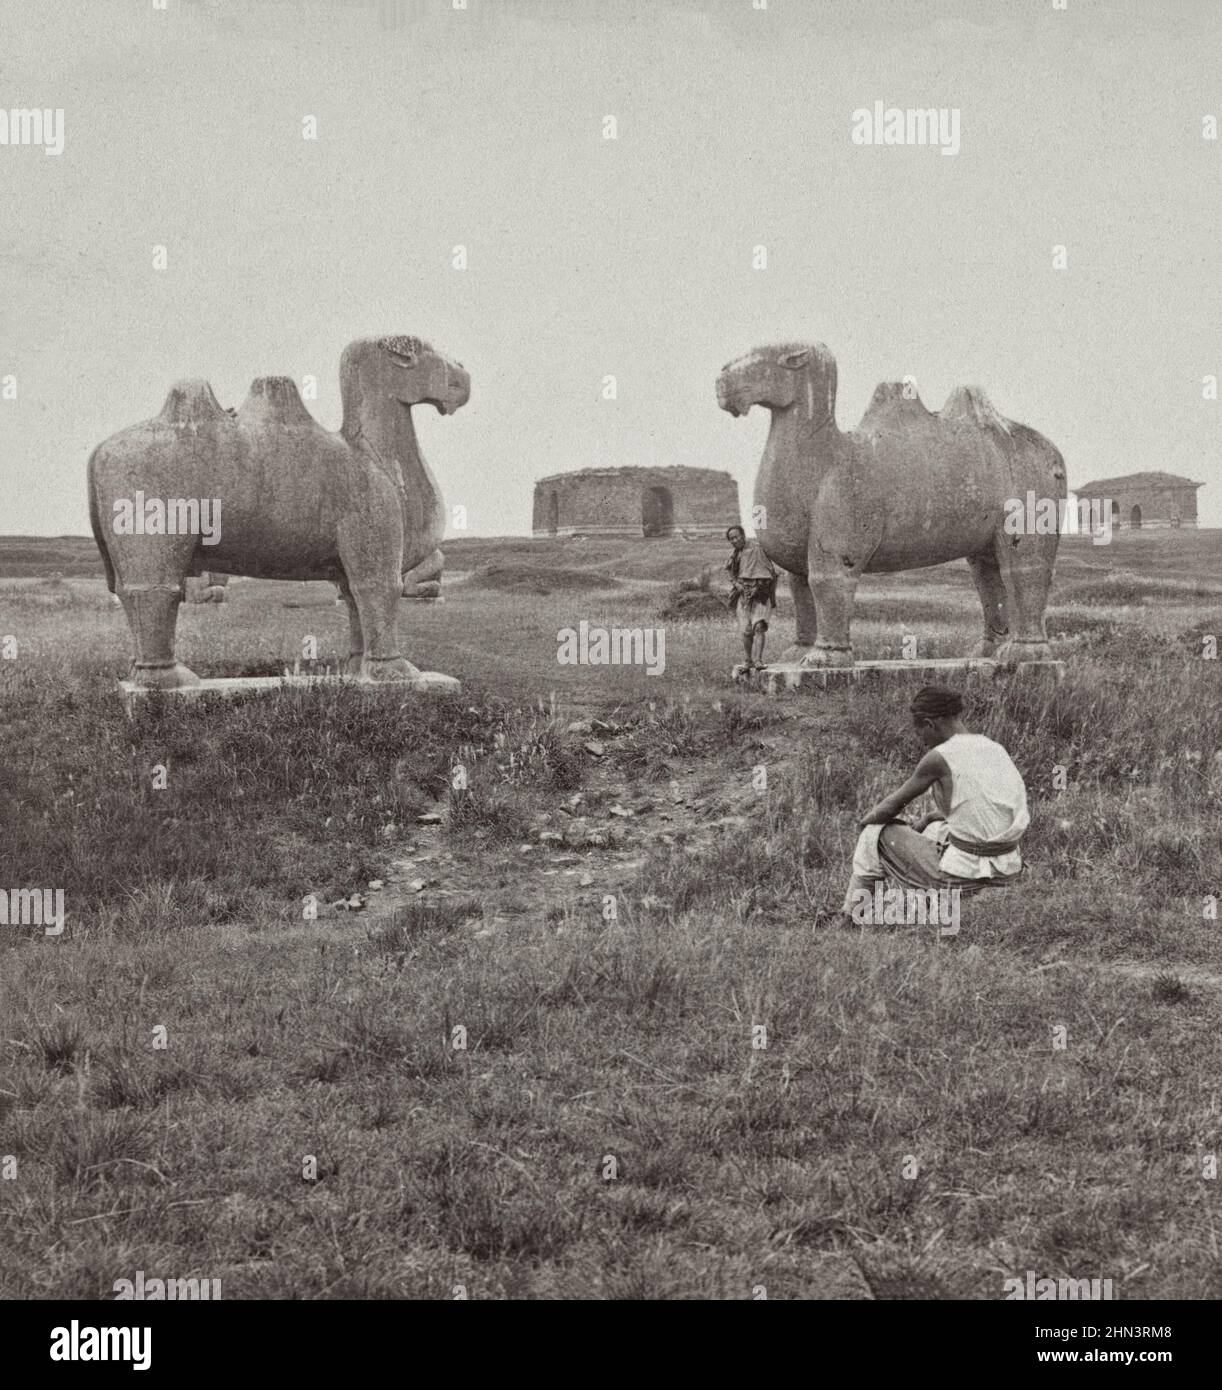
794	360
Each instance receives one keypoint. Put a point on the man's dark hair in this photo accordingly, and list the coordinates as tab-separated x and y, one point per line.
936	702
731	530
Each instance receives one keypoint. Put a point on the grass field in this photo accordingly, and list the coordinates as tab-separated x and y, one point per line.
597	1032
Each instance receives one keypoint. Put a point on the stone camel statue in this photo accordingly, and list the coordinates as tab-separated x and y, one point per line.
907	488
290	500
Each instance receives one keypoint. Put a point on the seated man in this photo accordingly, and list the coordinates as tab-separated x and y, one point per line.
971	840
752	595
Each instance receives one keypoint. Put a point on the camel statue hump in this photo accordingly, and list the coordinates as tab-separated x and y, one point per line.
898	395
274	400
970	405
894	405
189	402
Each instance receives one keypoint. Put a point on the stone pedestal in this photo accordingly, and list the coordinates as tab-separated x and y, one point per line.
772	680
431	682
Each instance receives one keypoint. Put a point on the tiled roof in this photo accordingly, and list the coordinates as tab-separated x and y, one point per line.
1131	482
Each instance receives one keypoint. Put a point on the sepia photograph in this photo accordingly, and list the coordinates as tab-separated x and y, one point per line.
609	676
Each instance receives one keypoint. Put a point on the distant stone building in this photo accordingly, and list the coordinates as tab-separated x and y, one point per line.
635	502
1139	500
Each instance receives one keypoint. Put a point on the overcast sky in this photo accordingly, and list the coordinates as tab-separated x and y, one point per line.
590	257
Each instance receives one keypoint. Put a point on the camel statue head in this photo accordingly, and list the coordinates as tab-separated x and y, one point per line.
403	369
789	375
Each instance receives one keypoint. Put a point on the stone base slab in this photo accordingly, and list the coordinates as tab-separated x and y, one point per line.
431	682
772	680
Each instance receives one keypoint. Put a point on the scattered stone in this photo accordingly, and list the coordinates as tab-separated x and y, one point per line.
416	885
618	810
586	880
429	818
375	885
355	903
594	748
580	726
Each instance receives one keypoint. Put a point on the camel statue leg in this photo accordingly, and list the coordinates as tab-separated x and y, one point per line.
216	592
377	606
152	614
150	580
1026	570
833	594
1026	561
987	577
376	592
376	598
427	572
356	642
807	623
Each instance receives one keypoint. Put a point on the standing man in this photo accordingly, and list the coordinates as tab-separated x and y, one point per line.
752	595
970	839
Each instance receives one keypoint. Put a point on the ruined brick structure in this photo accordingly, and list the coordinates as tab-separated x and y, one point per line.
1146	499
636	502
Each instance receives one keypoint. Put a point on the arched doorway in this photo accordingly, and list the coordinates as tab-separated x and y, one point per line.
657	512
1115	515
1135	518
553	512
